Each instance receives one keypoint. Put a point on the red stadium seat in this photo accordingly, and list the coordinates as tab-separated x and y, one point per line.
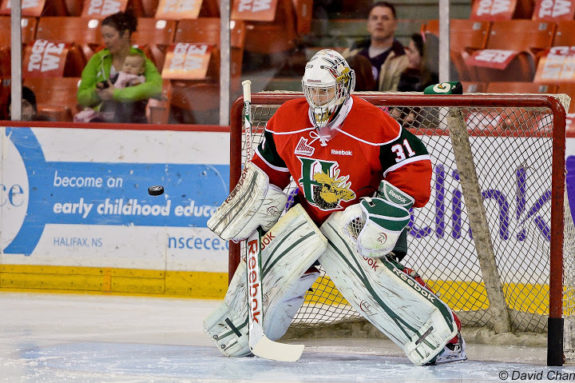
564	34
74	7
145	8
528	37
28	35
55	97
82	32
38	8
198	102
195	103
208	8
465	37
207	30
492	10
28	30
158	109
273	37
555	10
153	36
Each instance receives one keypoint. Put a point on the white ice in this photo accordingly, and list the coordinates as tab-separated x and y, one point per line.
54	338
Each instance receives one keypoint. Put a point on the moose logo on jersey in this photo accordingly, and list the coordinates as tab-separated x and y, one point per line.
322	184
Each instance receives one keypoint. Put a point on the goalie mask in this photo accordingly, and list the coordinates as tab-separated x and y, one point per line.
327	84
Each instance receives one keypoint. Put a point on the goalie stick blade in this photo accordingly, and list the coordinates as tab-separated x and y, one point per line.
268	349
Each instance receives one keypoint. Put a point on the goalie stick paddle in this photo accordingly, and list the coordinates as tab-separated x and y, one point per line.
260	345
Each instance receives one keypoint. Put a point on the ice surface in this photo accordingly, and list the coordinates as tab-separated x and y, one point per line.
84	338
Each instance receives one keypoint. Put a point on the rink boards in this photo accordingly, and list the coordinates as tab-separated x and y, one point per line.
75	214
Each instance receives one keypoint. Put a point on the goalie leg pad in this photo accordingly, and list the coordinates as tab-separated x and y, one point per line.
397	305
254	202
288	251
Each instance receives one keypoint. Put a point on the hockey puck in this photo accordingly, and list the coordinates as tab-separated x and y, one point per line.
156	190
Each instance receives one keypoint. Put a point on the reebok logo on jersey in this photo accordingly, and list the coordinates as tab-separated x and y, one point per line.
336	152
303	148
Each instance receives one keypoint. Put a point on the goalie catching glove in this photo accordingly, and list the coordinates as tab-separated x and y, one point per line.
384	217
254	202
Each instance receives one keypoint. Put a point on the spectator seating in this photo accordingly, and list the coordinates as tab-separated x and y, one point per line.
473	87
153	36
73	7
564	34
208	8
37	9
100	9
465	37
4	92
520	87
273	37
158	109
568	89
495	10
193	101
207	30
84	33
28	34
145	8
555	10
55	97
528	37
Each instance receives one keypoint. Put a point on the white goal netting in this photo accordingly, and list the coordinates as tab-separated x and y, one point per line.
512	145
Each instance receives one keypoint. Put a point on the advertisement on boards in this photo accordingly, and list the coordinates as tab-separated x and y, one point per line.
79	197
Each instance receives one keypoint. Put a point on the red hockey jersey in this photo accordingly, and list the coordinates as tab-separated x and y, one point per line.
334	173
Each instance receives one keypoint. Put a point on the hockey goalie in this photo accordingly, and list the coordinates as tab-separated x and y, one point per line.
358	174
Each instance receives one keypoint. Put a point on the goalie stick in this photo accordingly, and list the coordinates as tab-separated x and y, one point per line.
260	345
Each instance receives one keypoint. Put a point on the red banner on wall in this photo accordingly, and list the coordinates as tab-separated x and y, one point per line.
102	8
30	8
45	59
178	9
254	10
554	10
557	65
186	61
493	9
492	58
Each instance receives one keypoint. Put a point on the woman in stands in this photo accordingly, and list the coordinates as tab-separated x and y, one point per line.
415	78
97	85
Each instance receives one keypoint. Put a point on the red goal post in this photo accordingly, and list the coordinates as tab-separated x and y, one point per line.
506	153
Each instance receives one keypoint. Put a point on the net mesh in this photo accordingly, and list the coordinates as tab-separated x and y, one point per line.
512	152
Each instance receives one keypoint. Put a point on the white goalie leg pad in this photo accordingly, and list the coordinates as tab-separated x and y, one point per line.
254	202
292	245
410	315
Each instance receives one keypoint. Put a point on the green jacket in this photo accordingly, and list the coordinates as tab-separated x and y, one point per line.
98	70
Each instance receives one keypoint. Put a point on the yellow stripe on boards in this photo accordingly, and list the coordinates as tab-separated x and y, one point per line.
465	296
192	284
459	295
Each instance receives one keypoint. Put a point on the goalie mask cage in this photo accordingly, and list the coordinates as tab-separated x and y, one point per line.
496	241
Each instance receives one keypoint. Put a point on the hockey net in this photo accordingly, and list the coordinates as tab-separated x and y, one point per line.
498	166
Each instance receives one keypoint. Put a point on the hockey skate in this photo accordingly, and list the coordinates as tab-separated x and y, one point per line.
453	352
